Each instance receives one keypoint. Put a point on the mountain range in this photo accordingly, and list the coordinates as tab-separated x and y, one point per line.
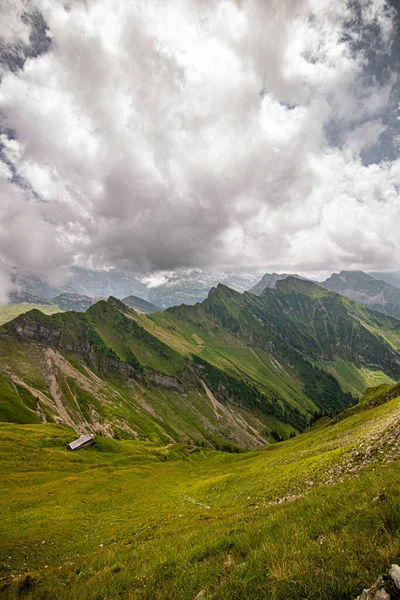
235	369
378	294
164	290
78	302
366	289
379	291
169	501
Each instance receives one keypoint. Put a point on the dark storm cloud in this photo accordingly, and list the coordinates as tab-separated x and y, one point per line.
161	135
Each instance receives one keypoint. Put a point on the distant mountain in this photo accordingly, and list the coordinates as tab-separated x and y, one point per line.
36	285
188	286
141	306
364	288
269	281
392	278
163	289
103	284
87	282
26	298
76	302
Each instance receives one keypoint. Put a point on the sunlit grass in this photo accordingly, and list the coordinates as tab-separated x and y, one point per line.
128	519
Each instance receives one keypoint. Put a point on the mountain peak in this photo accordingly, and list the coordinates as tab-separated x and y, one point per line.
118	304
364	288
293	284
355	275
140	305
270	280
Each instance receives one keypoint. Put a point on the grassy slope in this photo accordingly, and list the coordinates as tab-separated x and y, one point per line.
357	379
196	333
11	311
199	333
154	412
128	519
305	313
272	351
380	324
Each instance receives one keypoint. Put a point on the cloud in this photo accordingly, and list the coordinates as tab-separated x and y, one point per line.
151	136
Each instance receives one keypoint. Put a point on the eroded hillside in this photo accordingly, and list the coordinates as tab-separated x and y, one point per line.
235	371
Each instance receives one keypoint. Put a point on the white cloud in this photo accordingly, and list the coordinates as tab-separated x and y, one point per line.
155	280
13	28
5	172
158	135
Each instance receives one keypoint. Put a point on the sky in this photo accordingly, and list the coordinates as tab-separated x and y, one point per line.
166	134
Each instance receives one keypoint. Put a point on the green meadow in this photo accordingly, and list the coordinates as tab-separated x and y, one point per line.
131	519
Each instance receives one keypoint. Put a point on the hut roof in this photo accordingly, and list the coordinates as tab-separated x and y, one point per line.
81	442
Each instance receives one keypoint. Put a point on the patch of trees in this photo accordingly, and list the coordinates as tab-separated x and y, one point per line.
278	438
324	389
319	414
275	435
128	327
247	395
218	444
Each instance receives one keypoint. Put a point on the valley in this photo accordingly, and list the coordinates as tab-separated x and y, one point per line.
199	300
245	446
137	520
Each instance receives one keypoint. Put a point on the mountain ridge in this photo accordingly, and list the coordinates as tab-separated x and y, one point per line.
365	289
270	280
231	369
140	305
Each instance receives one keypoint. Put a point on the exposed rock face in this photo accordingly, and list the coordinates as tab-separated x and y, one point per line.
385	588
37	331
395	575
161	380
72	340
25	298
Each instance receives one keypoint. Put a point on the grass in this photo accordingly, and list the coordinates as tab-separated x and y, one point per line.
8	312
125	519
357	379
270	362
156	414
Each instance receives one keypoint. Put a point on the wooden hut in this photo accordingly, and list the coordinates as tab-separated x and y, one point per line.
81	442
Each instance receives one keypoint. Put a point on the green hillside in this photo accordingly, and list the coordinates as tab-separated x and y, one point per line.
103	371
295	325
235	371
315	517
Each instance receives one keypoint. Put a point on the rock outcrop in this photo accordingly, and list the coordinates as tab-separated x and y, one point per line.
385	588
